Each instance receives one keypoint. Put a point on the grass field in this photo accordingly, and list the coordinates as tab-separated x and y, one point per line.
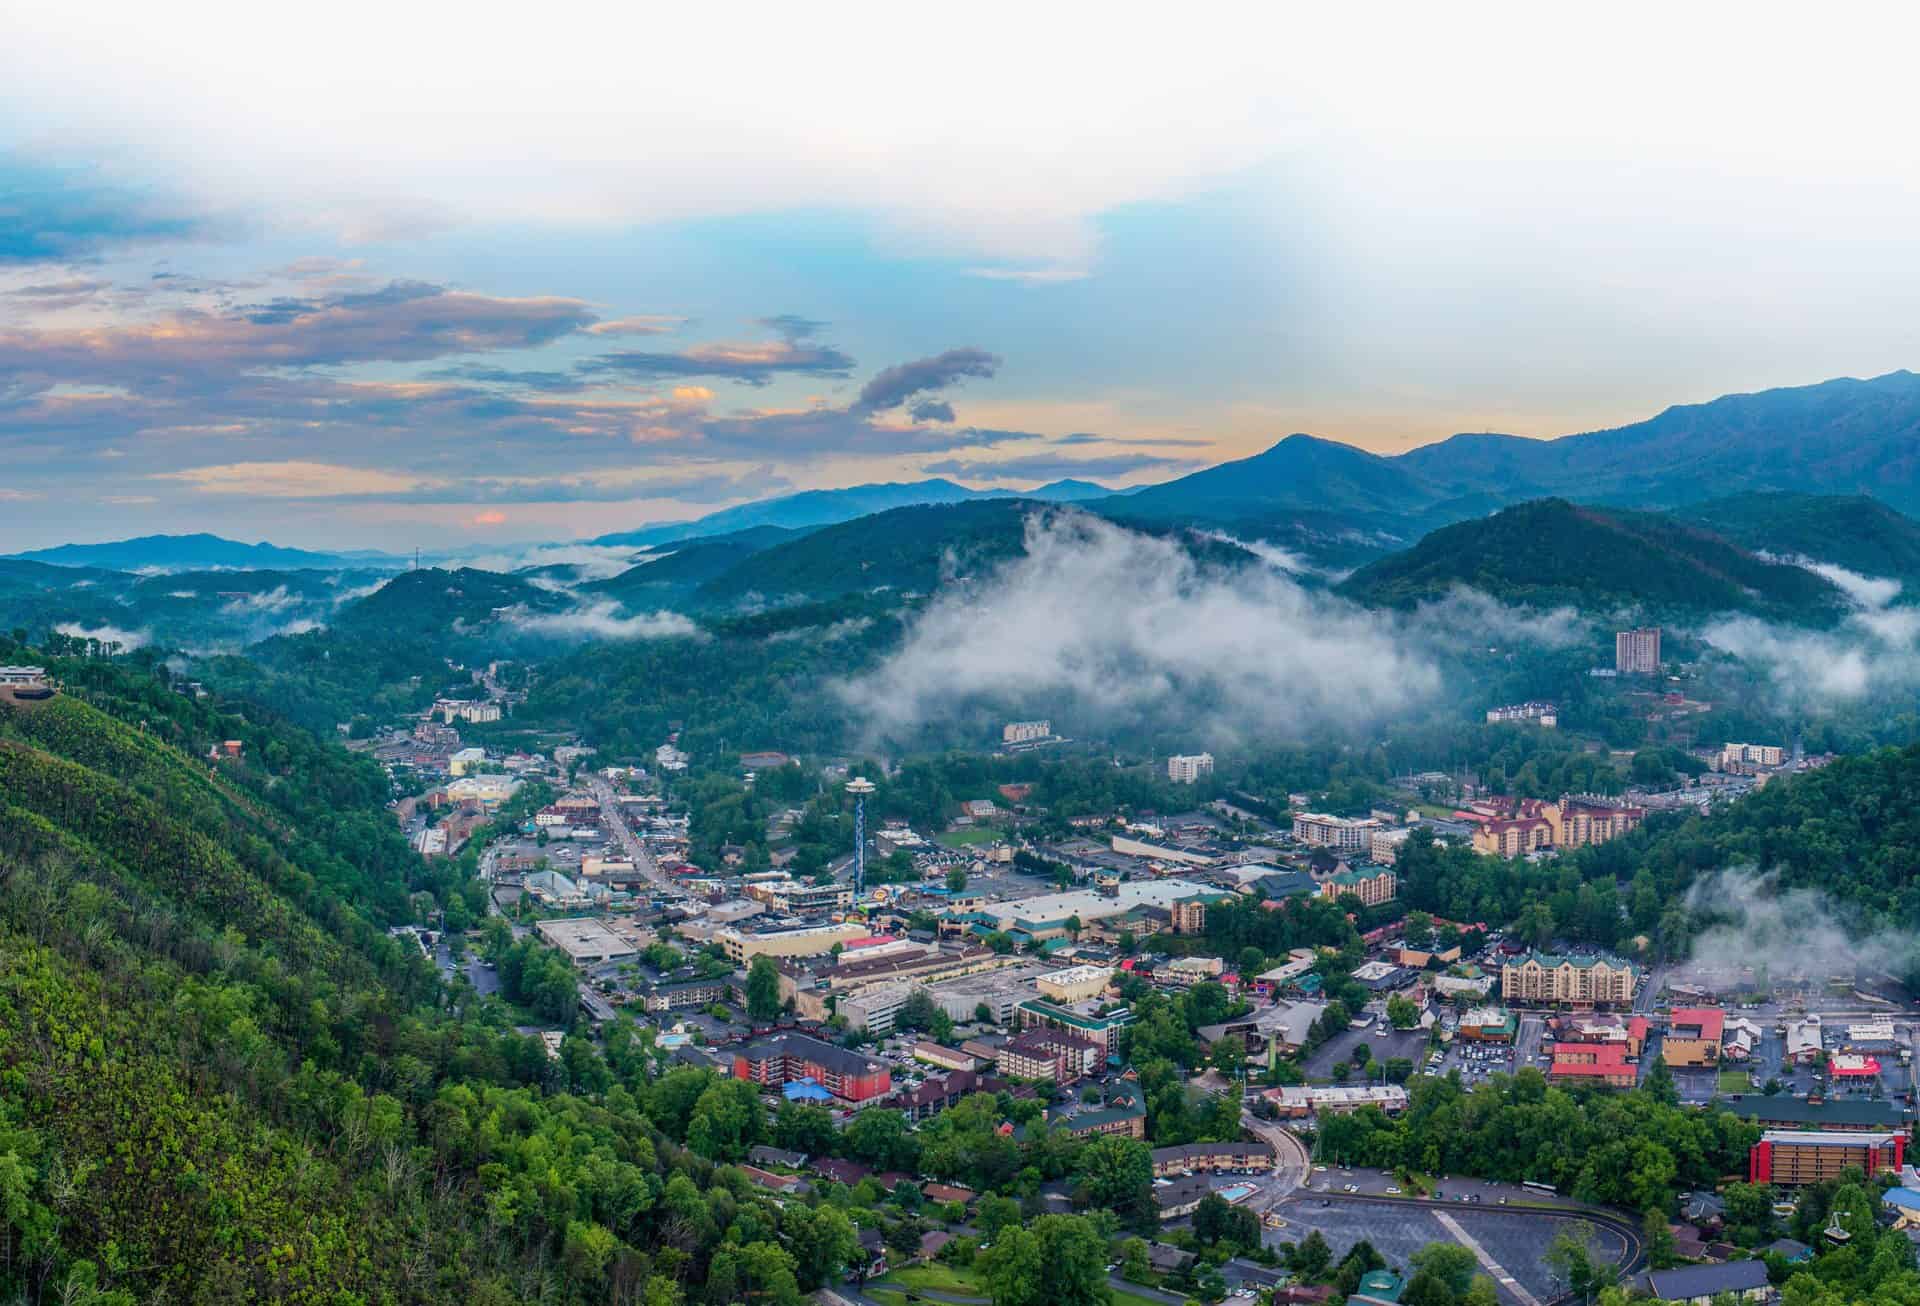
939	1276
1734	1081
966	838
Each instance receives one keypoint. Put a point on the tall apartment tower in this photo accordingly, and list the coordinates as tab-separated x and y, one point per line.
1637	652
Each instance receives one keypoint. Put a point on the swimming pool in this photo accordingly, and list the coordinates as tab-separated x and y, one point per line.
1238	1192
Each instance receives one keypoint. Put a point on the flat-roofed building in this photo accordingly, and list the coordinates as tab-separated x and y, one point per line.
1793	1157
811	941
1295	1101
874	1008
1075	983
586	941
1349	834
1186	768
1637	652
1604	1063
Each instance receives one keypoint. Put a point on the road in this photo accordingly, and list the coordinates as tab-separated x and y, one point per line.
615	821
1291	1163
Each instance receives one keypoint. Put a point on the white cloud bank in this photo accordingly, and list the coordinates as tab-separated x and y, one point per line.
128	640
1128	627
1874	649
602	620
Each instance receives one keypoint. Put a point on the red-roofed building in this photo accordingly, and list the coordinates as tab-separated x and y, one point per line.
1605	1062
866	941
1693	1036
1852	1066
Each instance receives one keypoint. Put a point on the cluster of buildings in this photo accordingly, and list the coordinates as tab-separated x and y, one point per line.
1515	827
1545	715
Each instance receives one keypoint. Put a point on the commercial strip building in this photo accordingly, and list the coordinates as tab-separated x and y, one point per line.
1051	915
1571	979
1604	1063
1489	1025
1792	1157
811	941
1296	1101
793	1058
586	941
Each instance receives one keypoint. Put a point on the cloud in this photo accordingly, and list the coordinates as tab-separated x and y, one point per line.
930	410
128	640
277	599
1750	921
402	322
294	480
1272	554
637	326
1469	618
792	327
601	620
1162	441
1110	627
52	214
50	296
749	363
11	495
588	561
1050	467
1874	649
894	385
490	518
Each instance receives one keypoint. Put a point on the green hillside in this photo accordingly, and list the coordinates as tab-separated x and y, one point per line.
1552	552
225	1082
691	563
1852	531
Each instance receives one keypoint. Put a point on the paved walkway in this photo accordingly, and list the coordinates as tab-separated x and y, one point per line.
1493	1267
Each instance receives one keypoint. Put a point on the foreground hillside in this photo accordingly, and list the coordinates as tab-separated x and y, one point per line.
1553	552
224	1082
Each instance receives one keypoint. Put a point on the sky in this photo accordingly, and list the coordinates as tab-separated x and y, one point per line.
382	279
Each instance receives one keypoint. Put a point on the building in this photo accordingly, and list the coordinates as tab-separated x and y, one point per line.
1349	834
1792	1157
1572	980
874	1009
1542	714
1297	1101
1211	1158
803	898
1084	1019
1050	915
1186	768
466	760
938	1054
1383	846
476	710
1026	732
1121	1113
586	941
1042	1052
1270	1032
1181	1197
791	1058
937	1093
22	675
685	994
1489	1025
1637	652
1075	983
1693	1037
1372	887
1604	1063
1854	1115
488	790
812	941
1745	758
1513	827
1702	1285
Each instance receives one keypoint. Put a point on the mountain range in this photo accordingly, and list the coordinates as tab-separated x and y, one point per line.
199	552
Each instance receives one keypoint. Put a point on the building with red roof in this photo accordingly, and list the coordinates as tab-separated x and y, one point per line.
1693	1036
1604	1062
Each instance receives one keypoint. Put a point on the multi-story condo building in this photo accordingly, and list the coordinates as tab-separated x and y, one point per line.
1513	827
477	710
1383	846
1795	1157
1372	887
1544	714
1046	1053
1349	834
1740	757
1571	980
1185	768
1085	1019
1637	652
790	1058
1026	732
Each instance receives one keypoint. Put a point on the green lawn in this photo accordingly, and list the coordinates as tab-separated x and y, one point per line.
1734	1081
939	1276
966	838
1121	1297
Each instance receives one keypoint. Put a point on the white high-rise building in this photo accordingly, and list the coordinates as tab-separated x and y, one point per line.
1637	652
1185	768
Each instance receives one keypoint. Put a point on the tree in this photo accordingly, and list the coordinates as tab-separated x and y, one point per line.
1657	1235
823	1242
1427	1289
957	880
880	1138
903	1236
727	1119
1117	1173
1450	1263
983	1014
1230	1056
1311	1257
1402	1013
1570	1259
799	1127
1060	1261
995	1214
1135	1267
763	989
1659	1084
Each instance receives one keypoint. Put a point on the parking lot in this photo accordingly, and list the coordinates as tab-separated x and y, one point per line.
1383	1041
1516	1239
